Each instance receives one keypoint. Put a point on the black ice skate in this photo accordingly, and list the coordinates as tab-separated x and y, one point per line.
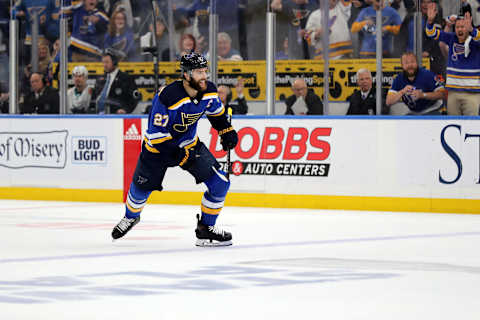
123	227
211	236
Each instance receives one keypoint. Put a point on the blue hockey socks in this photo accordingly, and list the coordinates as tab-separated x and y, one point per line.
136	200
213	199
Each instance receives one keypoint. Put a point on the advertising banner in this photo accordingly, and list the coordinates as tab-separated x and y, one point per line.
342	74
418	164
61	153
132	145
405	158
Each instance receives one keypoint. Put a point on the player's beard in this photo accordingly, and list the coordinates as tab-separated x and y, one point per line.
196	84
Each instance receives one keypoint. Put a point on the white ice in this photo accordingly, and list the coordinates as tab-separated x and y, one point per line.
58	261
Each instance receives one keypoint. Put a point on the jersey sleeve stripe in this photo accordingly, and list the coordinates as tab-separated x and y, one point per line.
210	95
76	4
102	15
84	46
218	112
432	32
151	142
179	104
156	135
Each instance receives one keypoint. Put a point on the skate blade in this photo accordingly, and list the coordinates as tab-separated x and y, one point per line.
212	243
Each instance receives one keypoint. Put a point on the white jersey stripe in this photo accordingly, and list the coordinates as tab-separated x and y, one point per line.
463	82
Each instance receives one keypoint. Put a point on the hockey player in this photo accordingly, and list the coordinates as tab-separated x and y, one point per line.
171	140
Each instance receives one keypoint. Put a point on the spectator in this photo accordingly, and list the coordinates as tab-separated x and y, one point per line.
79	96
43	66
120	36
225	94
338	31
357	6
293	16
398	5
88	30
430	47
230	20
225	50
357	38
283	54
27	9
303	100
162	31
109	7
43	99
44	57
55	56
366	23
52	74
147	43
187	44
463	67
117	91
52	29
363	101
416	89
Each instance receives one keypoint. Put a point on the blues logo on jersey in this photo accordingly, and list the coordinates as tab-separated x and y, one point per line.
174	116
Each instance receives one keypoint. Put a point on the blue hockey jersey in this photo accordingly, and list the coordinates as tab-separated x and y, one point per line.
463	69
390	19
425	80
124	43
87	36
29	7
174	116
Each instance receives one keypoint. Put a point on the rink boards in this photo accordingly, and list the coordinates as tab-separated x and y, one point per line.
360	163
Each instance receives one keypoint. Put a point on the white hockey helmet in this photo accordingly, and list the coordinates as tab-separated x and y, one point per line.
80	70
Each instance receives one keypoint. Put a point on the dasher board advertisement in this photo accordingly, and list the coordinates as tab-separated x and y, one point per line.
54	152
391	158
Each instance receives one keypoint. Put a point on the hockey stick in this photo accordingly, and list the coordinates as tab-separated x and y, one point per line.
229	118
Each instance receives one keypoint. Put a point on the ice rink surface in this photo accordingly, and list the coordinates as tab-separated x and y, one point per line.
58	262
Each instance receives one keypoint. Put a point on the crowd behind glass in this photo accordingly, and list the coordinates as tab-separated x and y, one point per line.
113	30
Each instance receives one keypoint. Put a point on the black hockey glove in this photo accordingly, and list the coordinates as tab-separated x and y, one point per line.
229	138
188	157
